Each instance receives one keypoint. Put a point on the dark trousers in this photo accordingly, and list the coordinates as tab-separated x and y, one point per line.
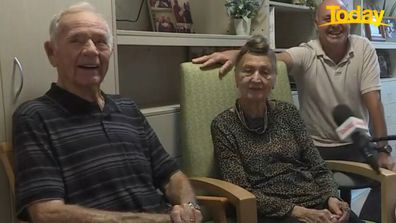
371	209
353	218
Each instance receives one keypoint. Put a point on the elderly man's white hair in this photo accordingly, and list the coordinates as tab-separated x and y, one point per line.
75	8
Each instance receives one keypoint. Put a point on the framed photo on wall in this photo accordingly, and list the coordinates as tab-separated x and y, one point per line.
374	33
384	62
390	31
170	15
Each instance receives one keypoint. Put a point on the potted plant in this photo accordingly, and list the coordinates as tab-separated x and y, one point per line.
242	11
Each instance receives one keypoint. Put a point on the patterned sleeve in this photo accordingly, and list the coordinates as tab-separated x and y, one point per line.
231	169
37	173
310	155
162	164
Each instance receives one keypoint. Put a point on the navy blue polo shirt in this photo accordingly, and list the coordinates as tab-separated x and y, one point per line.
67	148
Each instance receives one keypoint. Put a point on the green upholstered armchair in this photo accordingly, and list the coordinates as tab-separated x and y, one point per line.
203	96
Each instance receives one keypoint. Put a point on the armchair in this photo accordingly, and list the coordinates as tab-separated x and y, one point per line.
203	96
6	158
387	179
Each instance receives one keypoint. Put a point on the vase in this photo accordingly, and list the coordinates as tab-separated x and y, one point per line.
242	26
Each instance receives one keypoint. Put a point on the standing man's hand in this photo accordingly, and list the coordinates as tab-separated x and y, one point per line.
185	213
227	58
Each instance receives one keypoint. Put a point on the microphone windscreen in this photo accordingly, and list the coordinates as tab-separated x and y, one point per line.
341	113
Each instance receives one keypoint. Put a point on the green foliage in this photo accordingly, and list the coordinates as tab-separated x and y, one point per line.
239	9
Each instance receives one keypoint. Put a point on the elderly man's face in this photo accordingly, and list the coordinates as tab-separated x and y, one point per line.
331	35
80	51
255	77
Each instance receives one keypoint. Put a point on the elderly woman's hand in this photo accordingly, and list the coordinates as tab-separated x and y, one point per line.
339	208
313	215
227	58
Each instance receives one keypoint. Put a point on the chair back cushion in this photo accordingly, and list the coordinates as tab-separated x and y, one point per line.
203	97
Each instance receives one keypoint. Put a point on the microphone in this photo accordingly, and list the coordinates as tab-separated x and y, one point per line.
384	138
350	127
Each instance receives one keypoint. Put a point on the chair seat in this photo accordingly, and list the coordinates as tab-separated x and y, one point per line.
352	181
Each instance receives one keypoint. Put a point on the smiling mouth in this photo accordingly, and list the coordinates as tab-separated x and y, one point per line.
89	67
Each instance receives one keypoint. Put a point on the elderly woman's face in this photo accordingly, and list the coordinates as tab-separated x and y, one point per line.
254	77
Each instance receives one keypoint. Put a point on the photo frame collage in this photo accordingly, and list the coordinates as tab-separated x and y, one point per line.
382	33
171	16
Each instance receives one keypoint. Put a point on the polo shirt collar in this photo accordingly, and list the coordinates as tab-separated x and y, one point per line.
320	53
75	104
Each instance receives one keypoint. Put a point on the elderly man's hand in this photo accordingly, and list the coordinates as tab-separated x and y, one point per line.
227	58
185	214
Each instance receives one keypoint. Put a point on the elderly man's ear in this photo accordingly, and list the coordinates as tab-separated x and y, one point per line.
49	50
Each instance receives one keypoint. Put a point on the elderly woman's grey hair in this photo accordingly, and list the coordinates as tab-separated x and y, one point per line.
257	45
76	8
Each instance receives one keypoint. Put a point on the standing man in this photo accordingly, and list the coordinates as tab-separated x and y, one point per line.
337	68
84	156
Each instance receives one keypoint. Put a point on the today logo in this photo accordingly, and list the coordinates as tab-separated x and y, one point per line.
342	16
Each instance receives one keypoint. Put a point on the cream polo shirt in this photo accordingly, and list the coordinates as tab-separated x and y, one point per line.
322	85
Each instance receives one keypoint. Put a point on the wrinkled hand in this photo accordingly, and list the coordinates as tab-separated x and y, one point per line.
185	214
314	216
227	58
386	161
339	209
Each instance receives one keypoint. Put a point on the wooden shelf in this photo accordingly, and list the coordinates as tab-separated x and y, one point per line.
384	45
289	7
127	37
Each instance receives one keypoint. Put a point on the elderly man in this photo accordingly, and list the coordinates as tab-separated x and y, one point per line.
337	68
84	156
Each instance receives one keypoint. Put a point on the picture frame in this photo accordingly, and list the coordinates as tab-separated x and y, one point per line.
170	16
390	31
384	63
374	33
348	5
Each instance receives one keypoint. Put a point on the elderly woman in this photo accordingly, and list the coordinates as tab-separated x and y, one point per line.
262	145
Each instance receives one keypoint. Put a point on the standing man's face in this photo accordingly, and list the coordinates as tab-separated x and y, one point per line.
331	35
80	51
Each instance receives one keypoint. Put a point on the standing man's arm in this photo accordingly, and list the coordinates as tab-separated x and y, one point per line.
227	59
372	100
285	57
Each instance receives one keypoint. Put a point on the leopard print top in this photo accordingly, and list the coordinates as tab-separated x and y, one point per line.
281	167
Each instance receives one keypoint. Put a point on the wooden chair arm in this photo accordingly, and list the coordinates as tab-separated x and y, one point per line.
243	201
386	178
5	158
216	206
